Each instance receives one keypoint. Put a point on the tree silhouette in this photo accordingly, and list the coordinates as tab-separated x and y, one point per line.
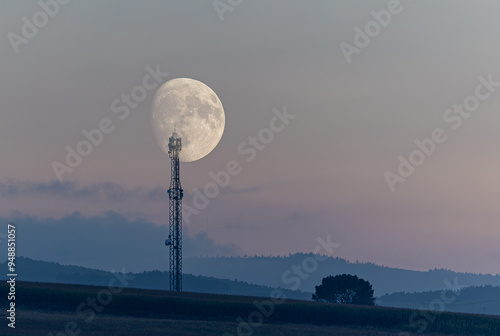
344	288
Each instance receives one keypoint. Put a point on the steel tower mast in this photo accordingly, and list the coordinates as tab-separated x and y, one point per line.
175	195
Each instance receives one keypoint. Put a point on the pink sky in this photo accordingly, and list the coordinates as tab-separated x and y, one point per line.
323	174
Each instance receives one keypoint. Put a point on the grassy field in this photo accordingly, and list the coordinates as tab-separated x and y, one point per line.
52	308
36	323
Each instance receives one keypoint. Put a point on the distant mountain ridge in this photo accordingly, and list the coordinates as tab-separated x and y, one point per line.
279	272
258	275
42	271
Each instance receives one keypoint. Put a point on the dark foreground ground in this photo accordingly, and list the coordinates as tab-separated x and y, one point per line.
41	323
88	310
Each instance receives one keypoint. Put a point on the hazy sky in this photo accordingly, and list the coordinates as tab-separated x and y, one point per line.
323	174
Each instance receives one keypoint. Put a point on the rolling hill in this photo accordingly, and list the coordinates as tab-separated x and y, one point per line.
49	309
278	271
474	300
42	271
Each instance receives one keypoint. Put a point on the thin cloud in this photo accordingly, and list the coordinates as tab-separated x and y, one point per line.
108	191
107	241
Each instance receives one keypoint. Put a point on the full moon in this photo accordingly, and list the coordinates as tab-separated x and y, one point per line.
193	111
